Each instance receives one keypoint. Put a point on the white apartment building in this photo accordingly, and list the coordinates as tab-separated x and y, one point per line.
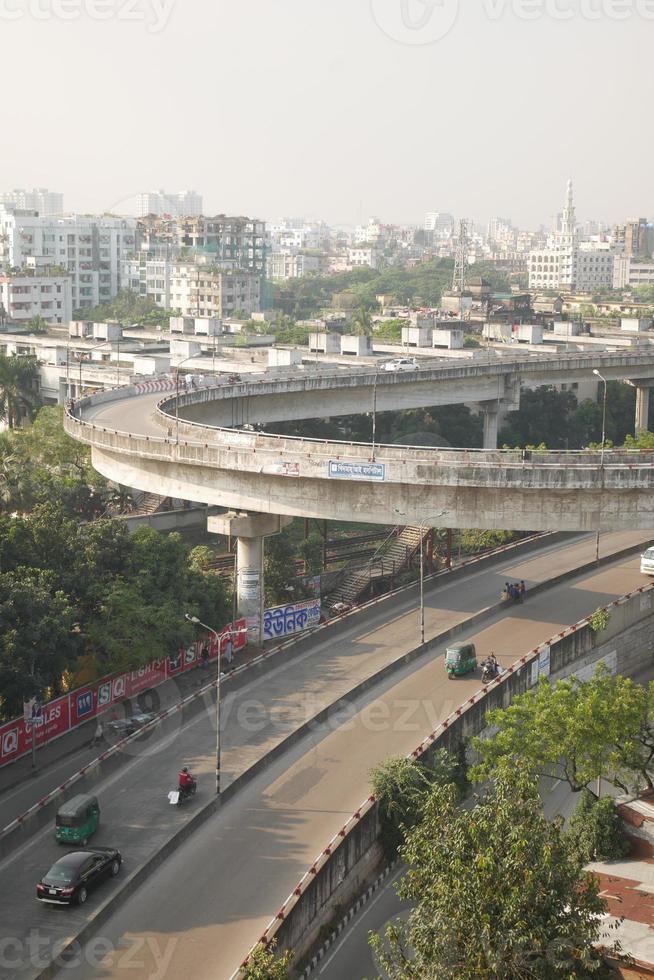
628	272
566	264
46	202
296	234
371	234
293	265
90	249
208	291
35	292
184	204
440	224
148	276
363	257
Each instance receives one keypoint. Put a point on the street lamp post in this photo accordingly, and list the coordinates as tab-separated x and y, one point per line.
423	525
194	619
374	412
599	530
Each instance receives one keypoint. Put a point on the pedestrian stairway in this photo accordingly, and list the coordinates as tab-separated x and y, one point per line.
393	557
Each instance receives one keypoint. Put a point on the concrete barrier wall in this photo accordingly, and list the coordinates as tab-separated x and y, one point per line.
627	645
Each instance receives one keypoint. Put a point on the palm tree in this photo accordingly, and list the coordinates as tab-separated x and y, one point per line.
18	389
362	322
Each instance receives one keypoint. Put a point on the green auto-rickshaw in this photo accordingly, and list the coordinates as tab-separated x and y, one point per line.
77	820
460	659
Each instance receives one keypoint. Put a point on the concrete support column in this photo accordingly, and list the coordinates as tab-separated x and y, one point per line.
250	531
491	425
642	409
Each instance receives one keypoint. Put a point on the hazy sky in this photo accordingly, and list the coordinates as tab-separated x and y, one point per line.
331	107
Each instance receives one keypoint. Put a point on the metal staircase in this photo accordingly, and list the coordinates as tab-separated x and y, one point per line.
392	557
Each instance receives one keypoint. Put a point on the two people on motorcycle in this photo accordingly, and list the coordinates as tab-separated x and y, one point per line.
186	782
490	667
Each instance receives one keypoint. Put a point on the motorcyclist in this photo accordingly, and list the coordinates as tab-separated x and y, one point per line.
186	781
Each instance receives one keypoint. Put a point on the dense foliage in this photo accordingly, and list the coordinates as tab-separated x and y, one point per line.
497	894
421	285
595	832
91	595
129	309
576	732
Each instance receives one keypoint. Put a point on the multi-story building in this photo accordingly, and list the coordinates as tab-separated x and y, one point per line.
36	291
634	239
439	224
296	234
237	242
293	265
628	273
363	257
204	290
180	205
46	202
565	264
90	249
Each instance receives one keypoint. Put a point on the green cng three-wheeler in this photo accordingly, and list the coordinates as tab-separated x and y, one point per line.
77	820
460	659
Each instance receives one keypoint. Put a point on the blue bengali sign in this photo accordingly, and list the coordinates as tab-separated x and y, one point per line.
356	471
284	621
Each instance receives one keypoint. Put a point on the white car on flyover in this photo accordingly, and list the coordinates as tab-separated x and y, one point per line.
647	562
401	364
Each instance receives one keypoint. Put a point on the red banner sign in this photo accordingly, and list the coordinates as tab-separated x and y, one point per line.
63	714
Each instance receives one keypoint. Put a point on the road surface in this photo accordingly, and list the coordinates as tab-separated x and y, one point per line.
201	910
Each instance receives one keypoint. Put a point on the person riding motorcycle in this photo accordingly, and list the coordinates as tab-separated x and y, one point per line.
186	781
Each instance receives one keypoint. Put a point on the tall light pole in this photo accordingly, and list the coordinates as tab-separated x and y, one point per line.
194	619
423	524
374	411
599	530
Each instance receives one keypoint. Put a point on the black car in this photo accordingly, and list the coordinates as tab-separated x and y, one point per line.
127	726
72	877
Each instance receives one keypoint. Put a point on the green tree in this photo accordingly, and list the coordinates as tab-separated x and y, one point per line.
497	894
37	639
595	832
18	388
311	551
401	787
575	732
263	964
362	322
37	325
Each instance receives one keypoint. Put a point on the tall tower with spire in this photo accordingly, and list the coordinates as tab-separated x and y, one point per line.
569	224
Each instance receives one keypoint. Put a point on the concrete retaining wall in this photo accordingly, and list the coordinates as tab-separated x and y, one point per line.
627	645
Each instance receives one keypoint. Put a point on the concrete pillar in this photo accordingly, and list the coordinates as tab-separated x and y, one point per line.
491	420
642	409
250	531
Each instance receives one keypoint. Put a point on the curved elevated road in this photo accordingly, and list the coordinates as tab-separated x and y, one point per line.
138	440
201	910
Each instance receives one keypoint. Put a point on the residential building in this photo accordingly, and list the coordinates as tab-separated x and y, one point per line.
627	273
634	239
363	257
440	224
204	290
566	264
46	202
89	248
237	242
180	205
294	265
295	234
36	291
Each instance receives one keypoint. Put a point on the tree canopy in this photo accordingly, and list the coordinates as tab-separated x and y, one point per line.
575	731
496	893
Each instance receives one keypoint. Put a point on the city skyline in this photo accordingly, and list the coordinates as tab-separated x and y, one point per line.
472	123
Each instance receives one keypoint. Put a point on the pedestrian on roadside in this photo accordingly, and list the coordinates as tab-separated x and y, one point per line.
204	656
227	648
523	591
99	733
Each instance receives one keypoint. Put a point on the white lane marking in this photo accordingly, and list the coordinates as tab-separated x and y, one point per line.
359	919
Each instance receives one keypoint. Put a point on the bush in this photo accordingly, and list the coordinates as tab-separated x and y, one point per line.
595	832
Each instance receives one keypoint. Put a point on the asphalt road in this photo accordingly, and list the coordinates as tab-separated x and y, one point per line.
201	910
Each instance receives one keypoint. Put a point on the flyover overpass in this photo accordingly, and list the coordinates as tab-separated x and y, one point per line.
188	445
